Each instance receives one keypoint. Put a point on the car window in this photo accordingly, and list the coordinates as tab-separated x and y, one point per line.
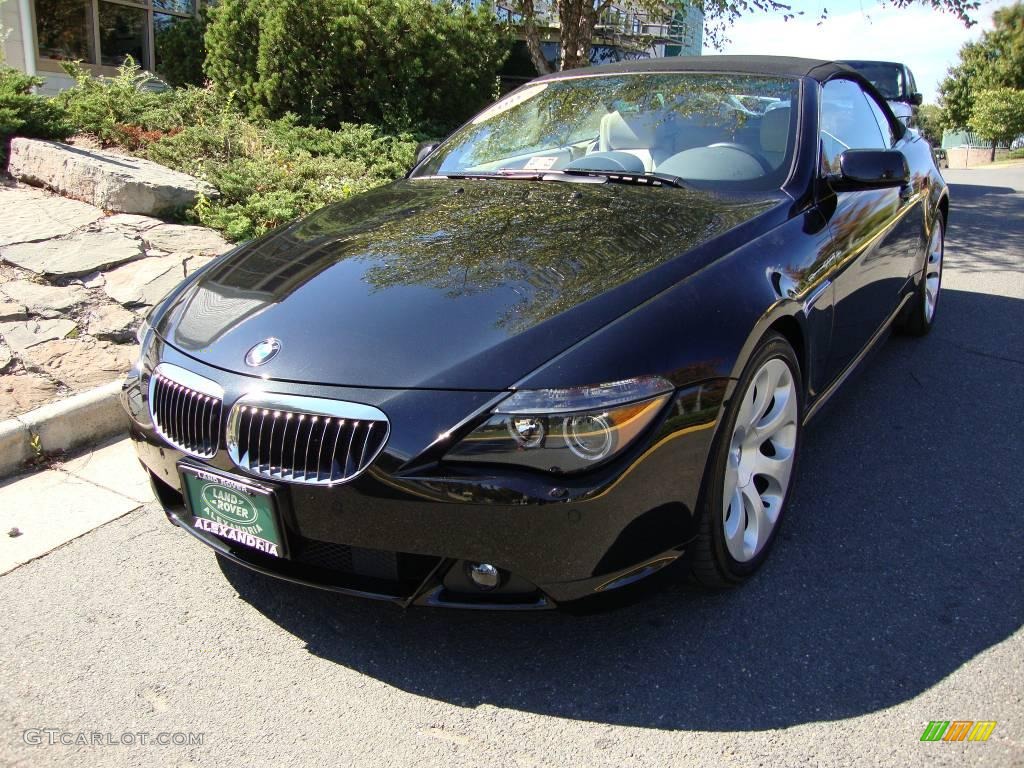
888	135
729	131
847	122
888	77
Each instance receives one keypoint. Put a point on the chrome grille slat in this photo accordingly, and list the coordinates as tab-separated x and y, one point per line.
186	410
304	440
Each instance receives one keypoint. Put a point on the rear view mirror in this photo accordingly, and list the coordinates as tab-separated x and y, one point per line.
917	99
871	169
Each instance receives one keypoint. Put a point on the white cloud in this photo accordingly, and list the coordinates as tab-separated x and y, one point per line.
926	40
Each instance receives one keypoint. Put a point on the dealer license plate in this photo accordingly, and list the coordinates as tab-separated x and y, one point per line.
233	509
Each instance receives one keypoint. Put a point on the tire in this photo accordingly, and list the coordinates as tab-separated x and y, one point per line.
919	316
760	431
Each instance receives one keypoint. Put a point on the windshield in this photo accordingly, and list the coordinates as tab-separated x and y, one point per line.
887	77
735	131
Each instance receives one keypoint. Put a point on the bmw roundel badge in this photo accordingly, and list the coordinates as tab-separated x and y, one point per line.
263	352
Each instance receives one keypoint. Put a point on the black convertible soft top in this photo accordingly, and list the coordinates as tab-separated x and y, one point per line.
782	66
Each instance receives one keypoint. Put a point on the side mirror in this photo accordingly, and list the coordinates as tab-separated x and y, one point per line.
423	149
871	169
917	99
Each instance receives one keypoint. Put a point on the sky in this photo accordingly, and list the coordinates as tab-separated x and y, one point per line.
921	37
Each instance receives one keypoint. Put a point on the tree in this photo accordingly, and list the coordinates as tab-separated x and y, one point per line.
180	50
397	63
930	121
998	115
577	20
994	61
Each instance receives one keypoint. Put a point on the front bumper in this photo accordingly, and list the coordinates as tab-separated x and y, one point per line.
404	530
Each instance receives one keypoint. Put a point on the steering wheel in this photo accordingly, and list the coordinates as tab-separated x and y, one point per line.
746	151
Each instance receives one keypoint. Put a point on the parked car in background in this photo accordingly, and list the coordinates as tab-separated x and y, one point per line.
895	82
577	344
941	157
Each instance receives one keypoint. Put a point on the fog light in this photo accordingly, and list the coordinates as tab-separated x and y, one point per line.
484	576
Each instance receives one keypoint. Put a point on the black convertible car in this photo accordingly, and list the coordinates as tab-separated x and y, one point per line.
578	343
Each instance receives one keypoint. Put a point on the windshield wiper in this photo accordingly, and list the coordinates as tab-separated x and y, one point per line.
650	177
504	173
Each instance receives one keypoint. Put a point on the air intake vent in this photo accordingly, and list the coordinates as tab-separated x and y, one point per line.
304	439
186	409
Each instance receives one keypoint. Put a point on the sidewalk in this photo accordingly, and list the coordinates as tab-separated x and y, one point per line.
47	509
74	284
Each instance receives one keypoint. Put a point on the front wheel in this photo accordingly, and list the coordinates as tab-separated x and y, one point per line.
752	466
920	312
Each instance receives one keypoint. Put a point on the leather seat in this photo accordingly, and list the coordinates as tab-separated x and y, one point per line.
633	133
775	135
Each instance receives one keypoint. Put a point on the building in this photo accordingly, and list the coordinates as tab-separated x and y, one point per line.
99	33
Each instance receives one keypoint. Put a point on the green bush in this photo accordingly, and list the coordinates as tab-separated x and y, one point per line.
116	109
396	63
23	113
181	50
270	174
98	106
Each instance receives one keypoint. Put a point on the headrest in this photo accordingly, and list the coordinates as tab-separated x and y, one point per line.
775	130
635	131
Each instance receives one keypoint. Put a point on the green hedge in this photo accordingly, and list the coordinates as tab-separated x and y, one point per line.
396	63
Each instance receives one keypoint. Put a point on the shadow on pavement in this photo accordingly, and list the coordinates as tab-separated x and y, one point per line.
900	561
989	218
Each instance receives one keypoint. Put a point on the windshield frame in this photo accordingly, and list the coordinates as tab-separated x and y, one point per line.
779	180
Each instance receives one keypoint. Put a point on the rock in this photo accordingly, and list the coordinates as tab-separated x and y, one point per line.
45	300
95	280
145	281
6	358
194	263
81	363
23	392
113	323
10	312
107	180
31	214
81	254
25	335
129	222
180	238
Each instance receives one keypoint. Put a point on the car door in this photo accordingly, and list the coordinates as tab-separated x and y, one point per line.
871	265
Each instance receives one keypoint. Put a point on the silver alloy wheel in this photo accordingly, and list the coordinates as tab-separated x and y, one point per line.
760	461
933	273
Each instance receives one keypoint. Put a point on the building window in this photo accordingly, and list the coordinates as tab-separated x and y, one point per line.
64	30
103	33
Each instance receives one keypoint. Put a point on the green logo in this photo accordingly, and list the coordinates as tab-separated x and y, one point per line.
233	508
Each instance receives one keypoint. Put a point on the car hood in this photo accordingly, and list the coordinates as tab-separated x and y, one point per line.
446	284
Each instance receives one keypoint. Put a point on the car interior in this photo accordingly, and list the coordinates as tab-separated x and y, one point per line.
733	144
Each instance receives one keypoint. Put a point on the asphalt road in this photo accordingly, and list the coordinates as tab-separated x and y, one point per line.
895	597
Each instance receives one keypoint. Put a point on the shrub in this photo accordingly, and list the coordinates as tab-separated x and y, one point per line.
396	63
23	113
181	50
99	105
270	174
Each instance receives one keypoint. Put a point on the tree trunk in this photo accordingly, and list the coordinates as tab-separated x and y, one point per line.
532	36
993	158
579	18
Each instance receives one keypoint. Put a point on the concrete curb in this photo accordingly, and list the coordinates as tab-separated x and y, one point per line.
83	419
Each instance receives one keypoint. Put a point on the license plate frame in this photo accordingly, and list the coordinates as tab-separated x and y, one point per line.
263	534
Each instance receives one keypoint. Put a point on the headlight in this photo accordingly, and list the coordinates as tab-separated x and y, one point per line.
566	430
